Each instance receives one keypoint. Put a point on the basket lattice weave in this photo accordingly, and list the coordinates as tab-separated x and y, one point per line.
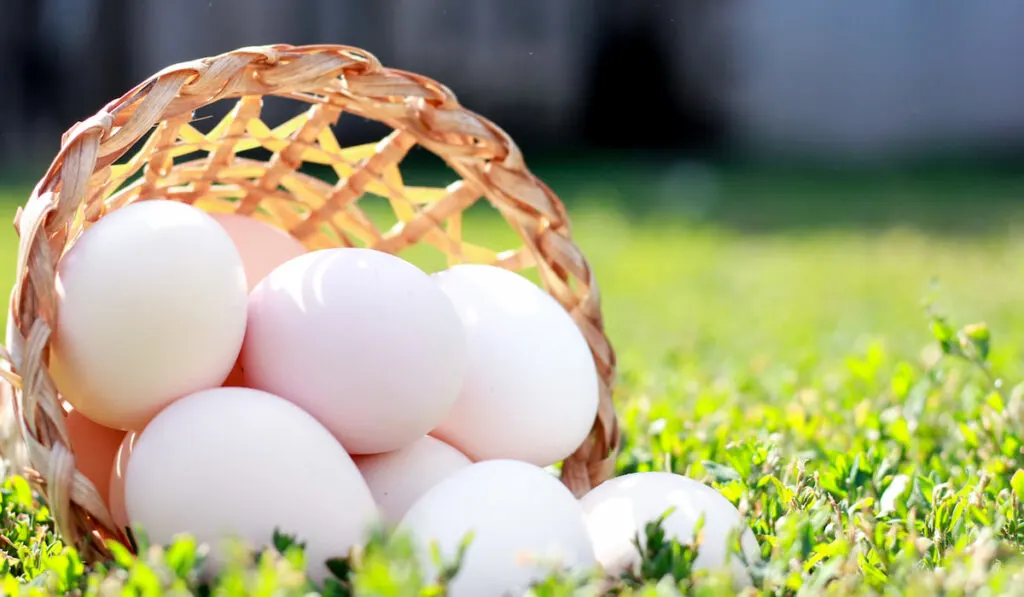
145	145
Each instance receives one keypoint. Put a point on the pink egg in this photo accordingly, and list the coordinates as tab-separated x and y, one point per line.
261	245
236	379
117	477
399	478
365	342
94	447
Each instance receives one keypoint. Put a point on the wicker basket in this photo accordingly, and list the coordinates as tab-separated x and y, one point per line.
144	145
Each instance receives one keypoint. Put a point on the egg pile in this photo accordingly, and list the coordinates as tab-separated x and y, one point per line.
220	380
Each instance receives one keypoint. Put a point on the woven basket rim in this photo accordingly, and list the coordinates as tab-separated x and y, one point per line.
332	79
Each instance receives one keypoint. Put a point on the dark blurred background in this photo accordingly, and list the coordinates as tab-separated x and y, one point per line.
741	172
692	86
841	80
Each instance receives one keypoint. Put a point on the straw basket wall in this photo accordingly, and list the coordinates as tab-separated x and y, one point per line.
146	145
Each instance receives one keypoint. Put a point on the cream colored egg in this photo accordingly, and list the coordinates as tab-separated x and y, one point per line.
620	508
531	390
360	339
400	477
525	524
152	307
241	463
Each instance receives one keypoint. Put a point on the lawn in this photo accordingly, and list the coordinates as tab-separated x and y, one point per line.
778	337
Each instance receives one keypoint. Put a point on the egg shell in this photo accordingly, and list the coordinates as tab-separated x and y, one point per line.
400	477
525	523
261	245
236	378
239	463
152	307
530	390
618	509
117	477
94	447
360	339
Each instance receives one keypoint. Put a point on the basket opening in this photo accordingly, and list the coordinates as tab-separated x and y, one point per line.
206	117
329	178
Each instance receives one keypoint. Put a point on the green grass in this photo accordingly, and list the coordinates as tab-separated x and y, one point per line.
773	341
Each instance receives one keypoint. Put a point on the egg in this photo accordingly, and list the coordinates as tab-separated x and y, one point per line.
262	246
398	478
618	509
152	307
94	447
236	378
525	524
117	476
360	339
238	463
531	390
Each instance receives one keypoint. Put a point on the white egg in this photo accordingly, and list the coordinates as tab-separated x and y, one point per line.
398	478
531	389
152	307
239	463
618	510
525	523
360	339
